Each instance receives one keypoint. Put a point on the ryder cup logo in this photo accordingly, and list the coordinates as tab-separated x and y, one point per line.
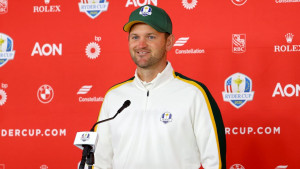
45	94
238	43
93	8
3	6
85	137
145	11
6	49
238	90
166	117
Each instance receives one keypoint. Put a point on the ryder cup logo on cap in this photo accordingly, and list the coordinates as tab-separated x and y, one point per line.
93	8
238	90
6	49
3	6
45	94
151	15
145	11
166	117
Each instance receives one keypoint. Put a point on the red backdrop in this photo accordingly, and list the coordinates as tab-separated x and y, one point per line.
58	61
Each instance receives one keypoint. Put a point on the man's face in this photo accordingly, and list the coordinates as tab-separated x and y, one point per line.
147	47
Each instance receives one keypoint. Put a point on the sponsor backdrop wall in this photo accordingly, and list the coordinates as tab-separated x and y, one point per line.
58	58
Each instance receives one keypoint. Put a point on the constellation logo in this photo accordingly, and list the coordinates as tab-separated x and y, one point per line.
238	43
281	167
287	48
189	5
238	90
84	90
93	8
138	3
2	166
238	2
3	6
93	49
181	42
6	49
237	166
43	166
46	8
47	49
45	94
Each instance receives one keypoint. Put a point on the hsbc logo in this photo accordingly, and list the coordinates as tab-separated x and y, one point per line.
47	49
138	3
288	90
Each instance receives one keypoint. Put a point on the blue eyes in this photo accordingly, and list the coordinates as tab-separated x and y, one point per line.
137	37
151	37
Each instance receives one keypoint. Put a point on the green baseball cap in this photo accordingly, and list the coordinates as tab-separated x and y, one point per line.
154	16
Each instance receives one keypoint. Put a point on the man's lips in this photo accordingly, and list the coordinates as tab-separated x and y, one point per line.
142	52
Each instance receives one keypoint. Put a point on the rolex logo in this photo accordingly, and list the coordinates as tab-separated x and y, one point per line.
289	37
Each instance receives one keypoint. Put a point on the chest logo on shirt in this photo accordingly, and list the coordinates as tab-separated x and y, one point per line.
166	117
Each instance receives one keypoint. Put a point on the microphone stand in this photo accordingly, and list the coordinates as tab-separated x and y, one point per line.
87	155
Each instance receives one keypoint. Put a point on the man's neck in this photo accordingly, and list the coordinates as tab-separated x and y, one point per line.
147	75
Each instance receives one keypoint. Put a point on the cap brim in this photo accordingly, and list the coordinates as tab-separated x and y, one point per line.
128	26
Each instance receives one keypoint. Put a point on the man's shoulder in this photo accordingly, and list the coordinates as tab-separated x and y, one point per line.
190	82
123	83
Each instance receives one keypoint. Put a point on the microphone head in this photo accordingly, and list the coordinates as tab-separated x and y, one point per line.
126	103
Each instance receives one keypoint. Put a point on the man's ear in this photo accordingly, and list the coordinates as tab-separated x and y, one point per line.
170	42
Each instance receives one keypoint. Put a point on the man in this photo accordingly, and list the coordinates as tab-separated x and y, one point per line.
173	122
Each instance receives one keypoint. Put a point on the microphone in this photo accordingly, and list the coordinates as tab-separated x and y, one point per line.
87	141
125	105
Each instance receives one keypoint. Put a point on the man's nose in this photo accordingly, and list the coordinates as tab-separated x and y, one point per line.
142	43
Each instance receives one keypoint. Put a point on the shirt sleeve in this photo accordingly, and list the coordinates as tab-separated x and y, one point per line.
209	131
104	152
